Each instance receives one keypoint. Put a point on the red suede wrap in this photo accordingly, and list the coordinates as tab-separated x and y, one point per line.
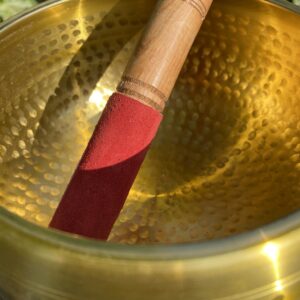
106	172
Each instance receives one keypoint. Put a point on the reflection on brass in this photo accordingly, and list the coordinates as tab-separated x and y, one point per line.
226	160
227	157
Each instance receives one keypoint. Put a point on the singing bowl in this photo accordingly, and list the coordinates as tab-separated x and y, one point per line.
214	211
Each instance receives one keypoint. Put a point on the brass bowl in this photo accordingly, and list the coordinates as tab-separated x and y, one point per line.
224	167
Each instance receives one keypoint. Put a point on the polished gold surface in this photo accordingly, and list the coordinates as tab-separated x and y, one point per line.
226	160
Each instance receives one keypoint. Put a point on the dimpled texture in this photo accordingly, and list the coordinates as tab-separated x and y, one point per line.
105	174
227	156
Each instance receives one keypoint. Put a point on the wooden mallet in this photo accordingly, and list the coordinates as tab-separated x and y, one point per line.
129	123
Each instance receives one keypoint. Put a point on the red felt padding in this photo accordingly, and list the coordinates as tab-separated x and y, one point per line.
105	174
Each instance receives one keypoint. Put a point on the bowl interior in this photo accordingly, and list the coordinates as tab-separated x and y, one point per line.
227	156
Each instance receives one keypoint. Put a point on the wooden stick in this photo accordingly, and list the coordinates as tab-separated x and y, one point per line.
153	70
126	129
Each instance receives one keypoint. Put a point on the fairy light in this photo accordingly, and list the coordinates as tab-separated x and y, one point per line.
271	250
100	98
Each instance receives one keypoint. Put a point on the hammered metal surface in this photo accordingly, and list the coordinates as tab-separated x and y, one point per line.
226	159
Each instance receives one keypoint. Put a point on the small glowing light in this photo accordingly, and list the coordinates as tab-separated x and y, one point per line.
99	98
271	250
278	286
96	97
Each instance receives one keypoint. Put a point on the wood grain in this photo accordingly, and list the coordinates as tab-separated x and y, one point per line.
153	70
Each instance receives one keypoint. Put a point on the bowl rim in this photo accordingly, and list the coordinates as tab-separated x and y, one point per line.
183	251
